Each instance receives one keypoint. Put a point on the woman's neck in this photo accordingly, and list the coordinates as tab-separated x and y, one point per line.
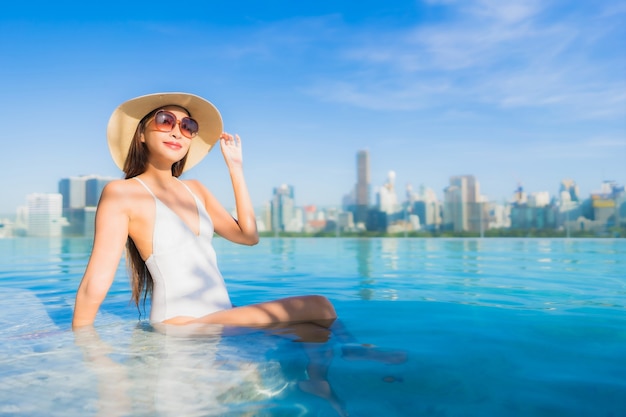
158	175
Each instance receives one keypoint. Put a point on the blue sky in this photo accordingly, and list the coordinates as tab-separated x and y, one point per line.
509	91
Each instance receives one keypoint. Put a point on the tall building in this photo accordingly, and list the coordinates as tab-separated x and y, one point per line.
607	204
529	211
519	196
454	212
79	194
427	208
499	216
463	208
283	209
362	186
73	191
93	189
569	190
44	215
539	199
387	198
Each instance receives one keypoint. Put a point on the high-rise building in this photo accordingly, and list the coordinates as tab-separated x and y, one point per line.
454	212
568	187
519	196
463	208
387	198
283	208
427	208
607	203
44	215
345	221
362	186
79	193
499	216
539	199
93	189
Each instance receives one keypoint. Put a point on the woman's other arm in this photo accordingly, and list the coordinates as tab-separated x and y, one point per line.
243	230
111	232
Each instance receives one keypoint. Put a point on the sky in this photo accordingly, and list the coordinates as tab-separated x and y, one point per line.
513	92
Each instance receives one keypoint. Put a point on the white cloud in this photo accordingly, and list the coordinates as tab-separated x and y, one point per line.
606	142
505	11
505	54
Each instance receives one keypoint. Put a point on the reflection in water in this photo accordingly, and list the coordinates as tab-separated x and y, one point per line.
284	251
213	370
389	253
544	248
187	371
364	268
468	251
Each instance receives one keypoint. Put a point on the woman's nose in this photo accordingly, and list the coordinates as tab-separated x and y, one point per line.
176	130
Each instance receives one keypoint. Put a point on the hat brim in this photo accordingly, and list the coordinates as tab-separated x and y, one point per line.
124	120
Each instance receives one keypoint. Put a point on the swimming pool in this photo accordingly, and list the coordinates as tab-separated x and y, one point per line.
428	327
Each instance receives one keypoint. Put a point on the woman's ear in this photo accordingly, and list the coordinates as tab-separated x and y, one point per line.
142	138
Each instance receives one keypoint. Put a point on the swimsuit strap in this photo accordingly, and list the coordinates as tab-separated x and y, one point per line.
187	187
195	197
145	186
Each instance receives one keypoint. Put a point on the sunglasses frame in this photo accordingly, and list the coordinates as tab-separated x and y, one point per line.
161	127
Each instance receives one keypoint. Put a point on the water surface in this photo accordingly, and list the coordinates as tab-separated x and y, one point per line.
432	327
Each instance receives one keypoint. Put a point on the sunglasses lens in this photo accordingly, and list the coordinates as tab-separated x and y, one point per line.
165	121
188	127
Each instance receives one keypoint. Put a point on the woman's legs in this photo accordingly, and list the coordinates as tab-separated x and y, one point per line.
302	309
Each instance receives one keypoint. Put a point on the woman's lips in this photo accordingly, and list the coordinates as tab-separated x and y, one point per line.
173	145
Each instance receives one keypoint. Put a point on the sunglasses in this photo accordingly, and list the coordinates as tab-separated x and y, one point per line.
166	121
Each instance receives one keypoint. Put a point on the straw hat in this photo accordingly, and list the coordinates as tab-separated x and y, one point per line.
124	120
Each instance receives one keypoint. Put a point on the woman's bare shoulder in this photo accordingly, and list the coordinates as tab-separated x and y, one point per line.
197	187
121	190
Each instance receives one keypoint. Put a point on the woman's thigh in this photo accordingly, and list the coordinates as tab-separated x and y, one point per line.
308	308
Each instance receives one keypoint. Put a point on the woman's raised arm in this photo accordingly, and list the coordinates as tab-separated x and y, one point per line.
243	230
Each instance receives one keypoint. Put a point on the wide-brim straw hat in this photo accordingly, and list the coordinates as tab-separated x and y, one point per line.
124	120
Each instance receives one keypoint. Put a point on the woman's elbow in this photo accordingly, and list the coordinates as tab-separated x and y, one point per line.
252	240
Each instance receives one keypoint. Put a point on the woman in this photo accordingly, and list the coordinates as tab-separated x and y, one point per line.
167	224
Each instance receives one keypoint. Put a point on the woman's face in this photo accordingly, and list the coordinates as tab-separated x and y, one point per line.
168	147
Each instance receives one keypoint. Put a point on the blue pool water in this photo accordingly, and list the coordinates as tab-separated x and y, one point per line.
428	327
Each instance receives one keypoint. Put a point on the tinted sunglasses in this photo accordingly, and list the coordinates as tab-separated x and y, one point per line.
165	121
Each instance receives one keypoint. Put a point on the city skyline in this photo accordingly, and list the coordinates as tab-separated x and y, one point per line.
71	211
511	92
400	191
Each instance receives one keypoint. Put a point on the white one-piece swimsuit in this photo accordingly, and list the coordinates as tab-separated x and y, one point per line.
183	265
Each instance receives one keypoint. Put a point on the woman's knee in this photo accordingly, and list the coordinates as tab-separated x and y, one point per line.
324	306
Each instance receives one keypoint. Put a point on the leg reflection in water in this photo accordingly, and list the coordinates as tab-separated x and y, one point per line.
215	370
318	343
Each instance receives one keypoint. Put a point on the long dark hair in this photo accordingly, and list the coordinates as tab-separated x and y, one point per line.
135	164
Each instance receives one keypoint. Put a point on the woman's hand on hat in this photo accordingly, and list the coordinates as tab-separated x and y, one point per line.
231	149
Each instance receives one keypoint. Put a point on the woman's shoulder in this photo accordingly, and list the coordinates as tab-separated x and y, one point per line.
121	185
202	192
196	186
122	189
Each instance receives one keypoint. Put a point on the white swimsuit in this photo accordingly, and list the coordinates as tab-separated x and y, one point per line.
183	265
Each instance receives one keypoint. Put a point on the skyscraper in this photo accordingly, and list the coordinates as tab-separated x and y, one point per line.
387	199
78	194
93	189
283	208
569	190
362	186
463	210
44	215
